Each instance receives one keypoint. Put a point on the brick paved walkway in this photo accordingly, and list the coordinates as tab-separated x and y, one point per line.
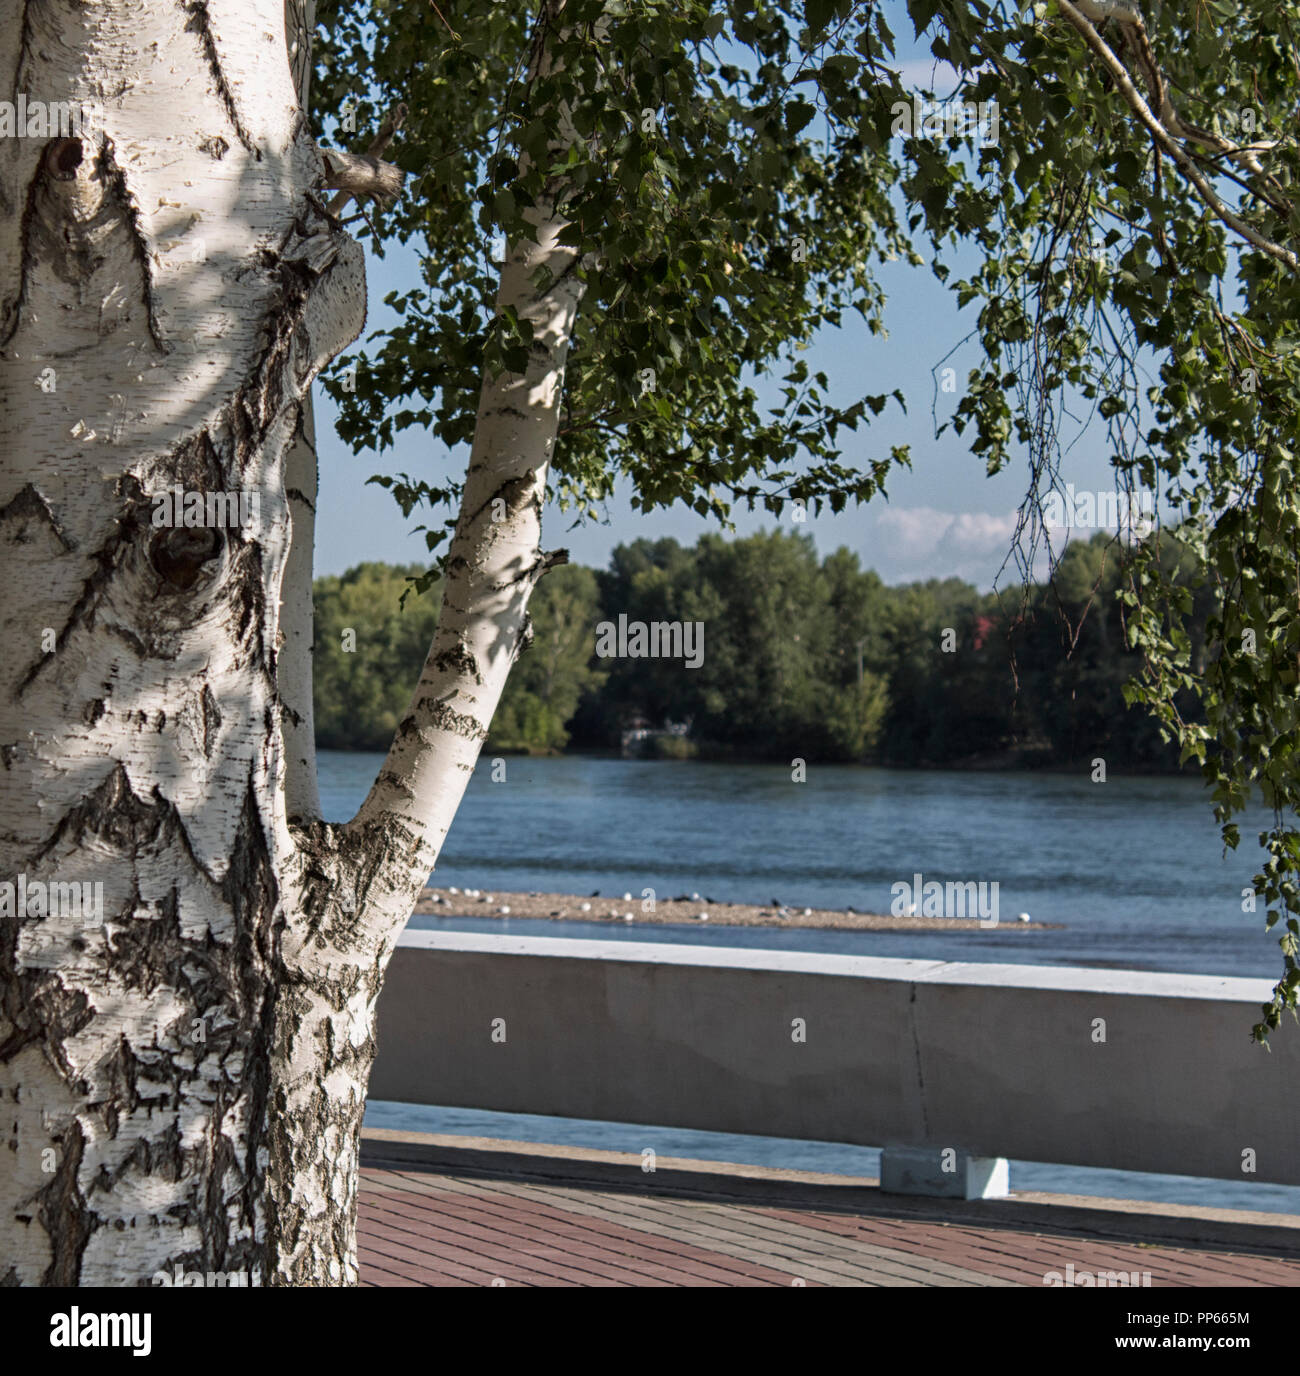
443	1214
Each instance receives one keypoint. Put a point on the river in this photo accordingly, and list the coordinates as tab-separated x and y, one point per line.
1132	869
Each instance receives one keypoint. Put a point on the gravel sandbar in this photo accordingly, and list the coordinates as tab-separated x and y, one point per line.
685	910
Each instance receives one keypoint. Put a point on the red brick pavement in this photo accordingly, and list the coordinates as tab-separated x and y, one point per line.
423	1227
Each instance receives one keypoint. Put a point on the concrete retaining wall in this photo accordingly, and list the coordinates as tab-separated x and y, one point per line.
996	1060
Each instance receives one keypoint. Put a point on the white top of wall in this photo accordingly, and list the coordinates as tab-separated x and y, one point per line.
1056	978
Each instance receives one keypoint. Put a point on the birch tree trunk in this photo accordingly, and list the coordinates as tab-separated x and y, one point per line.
182	1079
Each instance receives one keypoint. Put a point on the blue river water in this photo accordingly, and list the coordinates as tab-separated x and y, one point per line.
1132	869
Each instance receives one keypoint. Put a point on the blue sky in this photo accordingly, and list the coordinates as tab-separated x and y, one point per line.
943	517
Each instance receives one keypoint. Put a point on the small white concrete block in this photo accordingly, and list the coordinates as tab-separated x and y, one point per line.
943	1172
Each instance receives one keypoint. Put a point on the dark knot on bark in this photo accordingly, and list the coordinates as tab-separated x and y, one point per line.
180	554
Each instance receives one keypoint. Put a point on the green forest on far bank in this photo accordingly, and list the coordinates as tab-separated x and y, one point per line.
808	658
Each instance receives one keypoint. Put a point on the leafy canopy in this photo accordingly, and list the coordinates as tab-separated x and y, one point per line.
724	213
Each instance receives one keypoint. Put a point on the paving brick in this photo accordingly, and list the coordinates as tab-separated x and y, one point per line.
430	1228
522	1219
737	1229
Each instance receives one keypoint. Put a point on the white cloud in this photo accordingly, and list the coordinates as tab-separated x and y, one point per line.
922	542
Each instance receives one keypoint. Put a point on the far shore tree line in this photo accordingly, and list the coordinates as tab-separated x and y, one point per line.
802	657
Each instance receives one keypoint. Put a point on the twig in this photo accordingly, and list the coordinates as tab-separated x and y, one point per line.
363	174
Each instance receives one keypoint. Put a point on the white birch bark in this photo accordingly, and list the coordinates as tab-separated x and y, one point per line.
183	1083
163	303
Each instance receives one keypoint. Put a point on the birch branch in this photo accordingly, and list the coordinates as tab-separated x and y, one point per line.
396	117
1165	136
358	176
493	563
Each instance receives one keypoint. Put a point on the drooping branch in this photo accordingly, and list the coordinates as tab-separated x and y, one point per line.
1167	129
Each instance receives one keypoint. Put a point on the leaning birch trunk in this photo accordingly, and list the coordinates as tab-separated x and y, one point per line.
183	1059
